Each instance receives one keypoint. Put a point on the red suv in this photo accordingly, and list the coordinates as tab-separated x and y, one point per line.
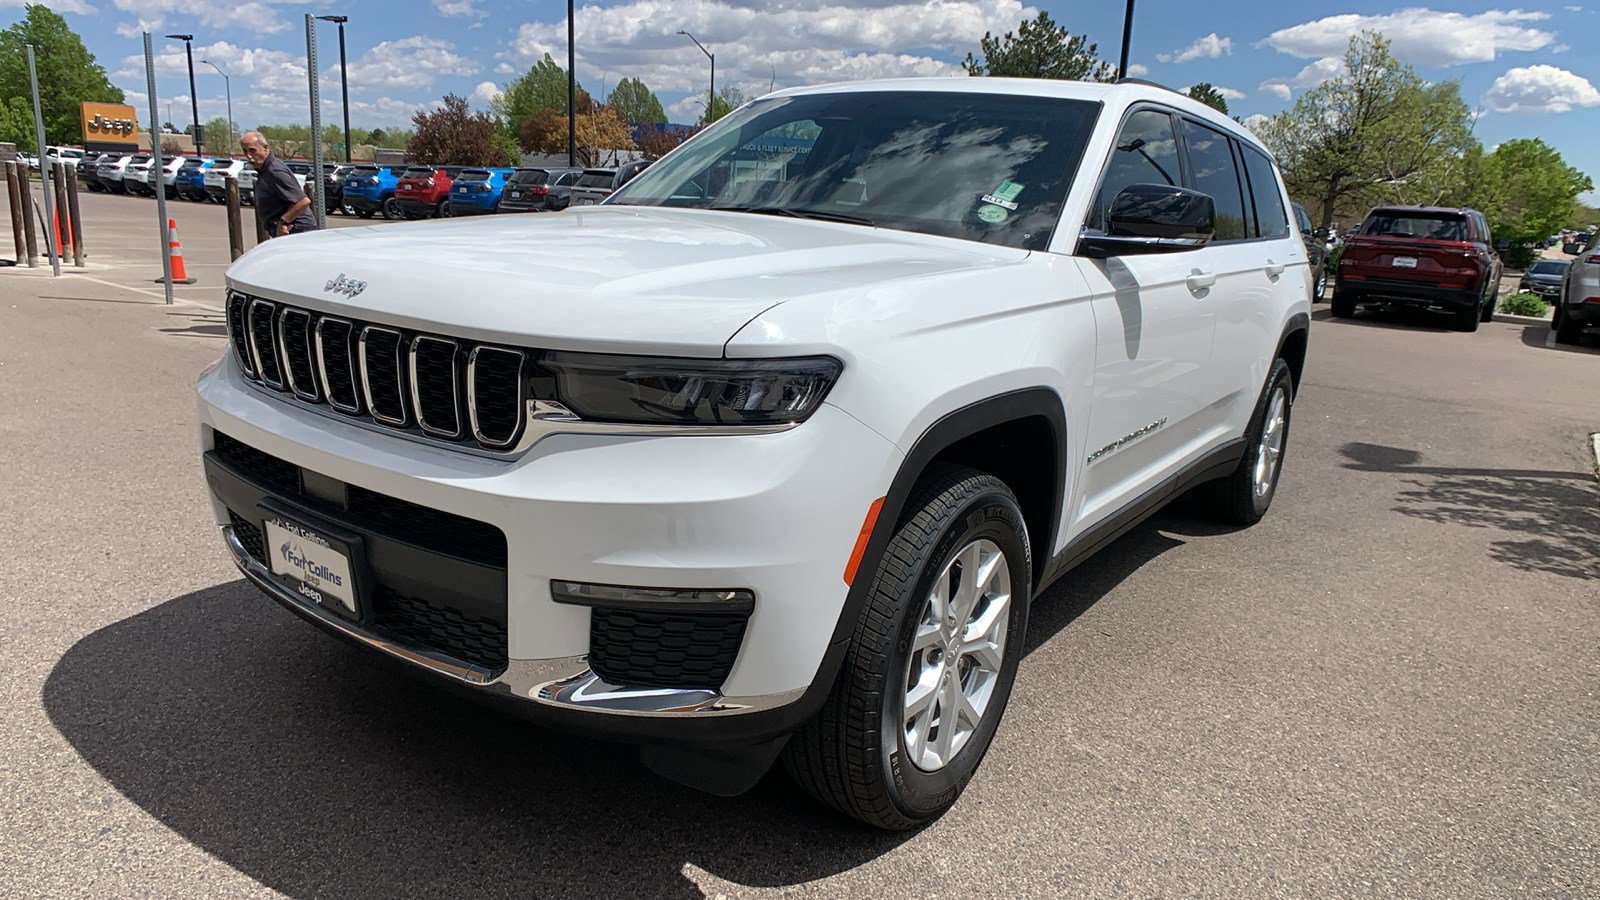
424	191
1421	256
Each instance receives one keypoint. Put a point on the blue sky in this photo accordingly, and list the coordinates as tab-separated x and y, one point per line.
1530	68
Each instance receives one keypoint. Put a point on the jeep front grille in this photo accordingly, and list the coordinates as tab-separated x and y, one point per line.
428	385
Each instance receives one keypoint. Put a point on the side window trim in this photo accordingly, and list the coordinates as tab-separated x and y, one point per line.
1252	225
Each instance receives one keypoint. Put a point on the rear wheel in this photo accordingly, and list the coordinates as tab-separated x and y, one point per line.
1319	285
1242	497
1567	331
1467	318
932	660
1344	304
442	210
1487	313
391	209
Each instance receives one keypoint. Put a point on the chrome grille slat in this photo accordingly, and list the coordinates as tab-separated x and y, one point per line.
338	367
298	355
498	414
264	343
383	376
429	387
435	391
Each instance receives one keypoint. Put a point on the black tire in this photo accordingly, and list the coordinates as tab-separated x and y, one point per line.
442	210
391	209
1486	314
1467	318
364	213
1567	331
1344	304
1235	497
1319	284
853	755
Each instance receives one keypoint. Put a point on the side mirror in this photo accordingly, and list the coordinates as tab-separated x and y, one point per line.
1502	245
1153	218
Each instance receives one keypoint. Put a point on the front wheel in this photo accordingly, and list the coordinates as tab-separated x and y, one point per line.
930	666
1242	497
1319	284
1567	331
391	209
442	210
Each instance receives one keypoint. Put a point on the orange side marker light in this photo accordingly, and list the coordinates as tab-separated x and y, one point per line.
861	540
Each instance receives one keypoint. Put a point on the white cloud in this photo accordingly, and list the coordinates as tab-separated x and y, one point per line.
458	8
61	6
256	16
1310	76
1137	71
1229	93
484	93
1208	47
798	42
1573	8
1423	36
1533	89
411	62
1254	122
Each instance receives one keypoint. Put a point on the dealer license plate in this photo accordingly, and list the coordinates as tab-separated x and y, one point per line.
311	563
1406	262
516	195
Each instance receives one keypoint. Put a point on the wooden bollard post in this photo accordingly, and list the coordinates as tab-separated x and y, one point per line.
27	214
235	226
78	253
61	228
18	214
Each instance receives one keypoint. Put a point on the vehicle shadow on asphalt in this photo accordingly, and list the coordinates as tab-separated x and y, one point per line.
310	767
1539	336
200	324
1399	318
1558	513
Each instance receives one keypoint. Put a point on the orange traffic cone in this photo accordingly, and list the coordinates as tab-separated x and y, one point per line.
61	248
175	250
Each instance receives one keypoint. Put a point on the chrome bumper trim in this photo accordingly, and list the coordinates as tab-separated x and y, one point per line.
565	682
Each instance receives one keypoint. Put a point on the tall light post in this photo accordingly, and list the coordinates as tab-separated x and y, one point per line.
194	102
227	85
712	96
572	91
1127	34
344	80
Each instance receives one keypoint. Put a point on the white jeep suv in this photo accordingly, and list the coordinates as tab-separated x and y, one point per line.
768	455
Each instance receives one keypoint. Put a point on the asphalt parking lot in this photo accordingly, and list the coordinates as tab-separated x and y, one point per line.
1390	687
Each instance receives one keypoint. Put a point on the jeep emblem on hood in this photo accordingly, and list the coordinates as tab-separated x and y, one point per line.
347	286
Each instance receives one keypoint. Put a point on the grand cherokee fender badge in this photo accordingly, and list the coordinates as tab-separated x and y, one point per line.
346	286
1125	440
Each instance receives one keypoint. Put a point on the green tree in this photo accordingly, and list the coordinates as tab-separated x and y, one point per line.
1040	49
635	102
287	141
727	100
1374	133
16	124
1526	191
455	134
1583	216
543	86
68	73
1208	94
218	141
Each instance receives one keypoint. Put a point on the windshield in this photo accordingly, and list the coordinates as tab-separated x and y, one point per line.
1416	225
983	167
530	176
1549	267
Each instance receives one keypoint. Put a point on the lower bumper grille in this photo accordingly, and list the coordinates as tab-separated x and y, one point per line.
673	650
473	639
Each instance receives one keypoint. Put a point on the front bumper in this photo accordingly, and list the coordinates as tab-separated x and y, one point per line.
776	514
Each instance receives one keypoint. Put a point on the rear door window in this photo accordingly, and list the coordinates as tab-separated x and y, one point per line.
1271	219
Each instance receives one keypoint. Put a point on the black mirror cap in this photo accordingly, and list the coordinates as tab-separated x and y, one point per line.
1154	218
1502	245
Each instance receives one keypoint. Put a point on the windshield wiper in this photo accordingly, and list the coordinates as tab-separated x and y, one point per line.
798	214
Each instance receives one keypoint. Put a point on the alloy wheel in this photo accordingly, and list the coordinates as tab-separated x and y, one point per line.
1270	447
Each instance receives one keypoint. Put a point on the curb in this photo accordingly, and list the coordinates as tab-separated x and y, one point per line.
1521	320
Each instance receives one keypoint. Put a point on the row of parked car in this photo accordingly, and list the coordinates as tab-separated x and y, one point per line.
367	190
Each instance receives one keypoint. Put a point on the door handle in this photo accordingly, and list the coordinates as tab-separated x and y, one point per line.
1274	269
1199	281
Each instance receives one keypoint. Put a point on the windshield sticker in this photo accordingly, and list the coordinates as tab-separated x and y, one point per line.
992	214
1004	195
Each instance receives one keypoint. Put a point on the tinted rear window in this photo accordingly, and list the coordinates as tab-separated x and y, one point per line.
474	175
418	172
530	176
1438	227
593	180
364	171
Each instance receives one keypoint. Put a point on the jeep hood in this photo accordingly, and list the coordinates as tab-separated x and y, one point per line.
608	278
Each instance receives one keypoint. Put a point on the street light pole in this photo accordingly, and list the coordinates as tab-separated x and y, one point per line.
194	102
1127	34
344	80
712	96
227	85
572	92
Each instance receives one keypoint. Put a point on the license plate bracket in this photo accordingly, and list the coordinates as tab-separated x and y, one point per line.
319	562
1405	262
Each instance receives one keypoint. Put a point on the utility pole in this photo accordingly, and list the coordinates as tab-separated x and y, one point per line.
314	183
227	85
45	171
1127	34
194	102
155	150
712	96
572	92
344	80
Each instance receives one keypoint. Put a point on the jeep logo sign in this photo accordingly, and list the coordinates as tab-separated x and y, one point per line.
346	286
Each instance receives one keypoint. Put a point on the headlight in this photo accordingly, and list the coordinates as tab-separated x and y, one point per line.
661	391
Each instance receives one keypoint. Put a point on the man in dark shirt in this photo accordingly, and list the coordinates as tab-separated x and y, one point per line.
282	206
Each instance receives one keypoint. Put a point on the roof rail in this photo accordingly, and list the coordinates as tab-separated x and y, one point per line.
1148	83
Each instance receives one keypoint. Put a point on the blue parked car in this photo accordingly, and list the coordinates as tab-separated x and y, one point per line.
370	189
190	182
476	192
